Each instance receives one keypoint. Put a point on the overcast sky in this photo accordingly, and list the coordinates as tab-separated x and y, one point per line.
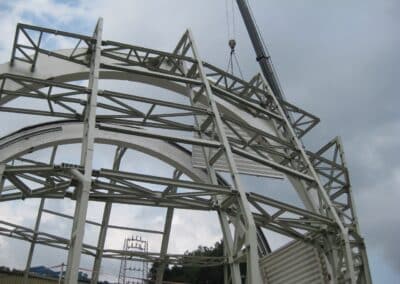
337	59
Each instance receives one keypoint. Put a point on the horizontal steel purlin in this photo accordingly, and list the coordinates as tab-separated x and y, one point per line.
311	225
279	149
105	173
308	220
15	231
161	180
64	96
236	87
167	137
110	226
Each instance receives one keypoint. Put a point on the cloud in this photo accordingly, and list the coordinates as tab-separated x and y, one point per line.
338	60
377	206
377	188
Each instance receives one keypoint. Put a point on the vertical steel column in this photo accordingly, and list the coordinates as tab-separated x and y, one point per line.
100	244
33	243
226	231
37	225
365	267
253	267
104	223
165	239
277	94
222	216
2	168
228	249
61	273
324	195
82	199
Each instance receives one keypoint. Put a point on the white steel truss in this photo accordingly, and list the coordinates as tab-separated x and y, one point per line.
227	119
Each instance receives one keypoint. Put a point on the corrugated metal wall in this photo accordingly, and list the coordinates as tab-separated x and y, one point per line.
244	165
296	263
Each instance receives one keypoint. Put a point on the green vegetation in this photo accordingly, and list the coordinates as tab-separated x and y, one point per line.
195	275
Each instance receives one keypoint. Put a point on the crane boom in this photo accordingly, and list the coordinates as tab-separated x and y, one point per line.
261	52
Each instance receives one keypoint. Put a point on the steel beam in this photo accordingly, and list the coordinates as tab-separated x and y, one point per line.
253	269
323	195
105	223
34	240
78	227
50	240
235	276
165	239
229	101
2	178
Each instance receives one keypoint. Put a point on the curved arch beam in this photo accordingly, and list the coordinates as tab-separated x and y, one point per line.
52	134
48	67
279	147
60	133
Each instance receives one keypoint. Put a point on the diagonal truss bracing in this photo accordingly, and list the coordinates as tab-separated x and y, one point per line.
228	119
115	185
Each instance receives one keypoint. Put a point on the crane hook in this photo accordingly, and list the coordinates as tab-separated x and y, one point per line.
232	45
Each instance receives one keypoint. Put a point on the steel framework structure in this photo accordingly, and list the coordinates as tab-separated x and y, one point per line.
227	118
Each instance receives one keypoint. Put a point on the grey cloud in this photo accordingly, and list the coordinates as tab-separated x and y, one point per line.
339	60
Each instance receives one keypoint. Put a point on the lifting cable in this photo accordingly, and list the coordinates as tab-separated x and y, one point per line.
231	34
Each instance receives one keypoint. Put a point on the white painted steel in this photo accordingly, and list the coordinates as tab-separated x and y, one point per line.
63	71
304	178
245	166
83	190
71	132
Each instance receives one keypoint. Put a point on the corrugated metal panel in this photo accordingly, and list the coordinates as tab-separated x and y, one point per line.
296	263
244	165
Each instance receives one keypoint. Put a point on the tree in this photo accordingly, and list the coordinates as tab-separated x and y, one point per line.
195	275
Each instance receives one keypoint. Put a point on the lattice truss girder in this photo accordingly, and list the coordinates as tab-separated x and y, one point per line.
65	100
125	57
27	234
329	162
249	96
51	181
277	149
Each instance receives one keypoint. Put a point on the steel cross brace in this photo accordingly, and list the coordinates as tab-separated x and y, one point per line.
233	89
183	47
26	234
37	225
167	232
20	51
105	222
323	195
250	235
165	65
120	187
67	99
330	164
